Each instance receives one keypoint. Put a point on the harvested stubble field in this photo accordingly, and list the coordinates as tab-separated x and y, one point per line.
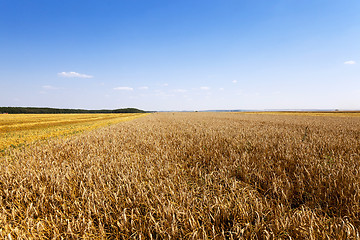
189	176
17	130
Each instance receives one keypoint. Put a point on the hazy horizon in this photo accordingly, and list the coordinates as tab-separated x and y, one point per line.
180	55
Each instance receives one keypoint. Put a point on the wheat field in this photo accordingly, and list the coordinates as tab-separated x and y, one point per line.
188	176
20	129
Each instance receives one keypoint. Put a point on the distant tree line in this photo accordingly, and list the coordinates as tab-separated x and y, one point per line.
34	110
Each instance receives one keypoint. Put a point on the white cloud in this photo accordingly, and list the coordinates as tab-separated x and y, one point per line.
165	84
180	90
49	87
74	75
205	88
234	81
144	88
124	88
351	62
221	89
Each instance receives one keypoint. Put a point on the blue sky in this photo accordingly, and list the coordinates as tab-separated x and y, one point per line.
180	55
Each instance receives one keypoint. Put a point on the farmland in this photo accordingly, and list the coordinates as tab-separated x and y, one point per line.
188	176
19	129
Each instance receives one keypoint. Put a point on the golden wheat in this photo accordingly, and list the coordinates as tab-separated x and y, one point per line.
188	176
19	129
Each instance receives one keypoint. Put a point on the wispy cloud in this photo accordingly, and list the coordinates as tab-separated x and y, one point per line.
144	88
205	88
124	88
234	81
351	62
49	87
221	89
74	75
180	90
